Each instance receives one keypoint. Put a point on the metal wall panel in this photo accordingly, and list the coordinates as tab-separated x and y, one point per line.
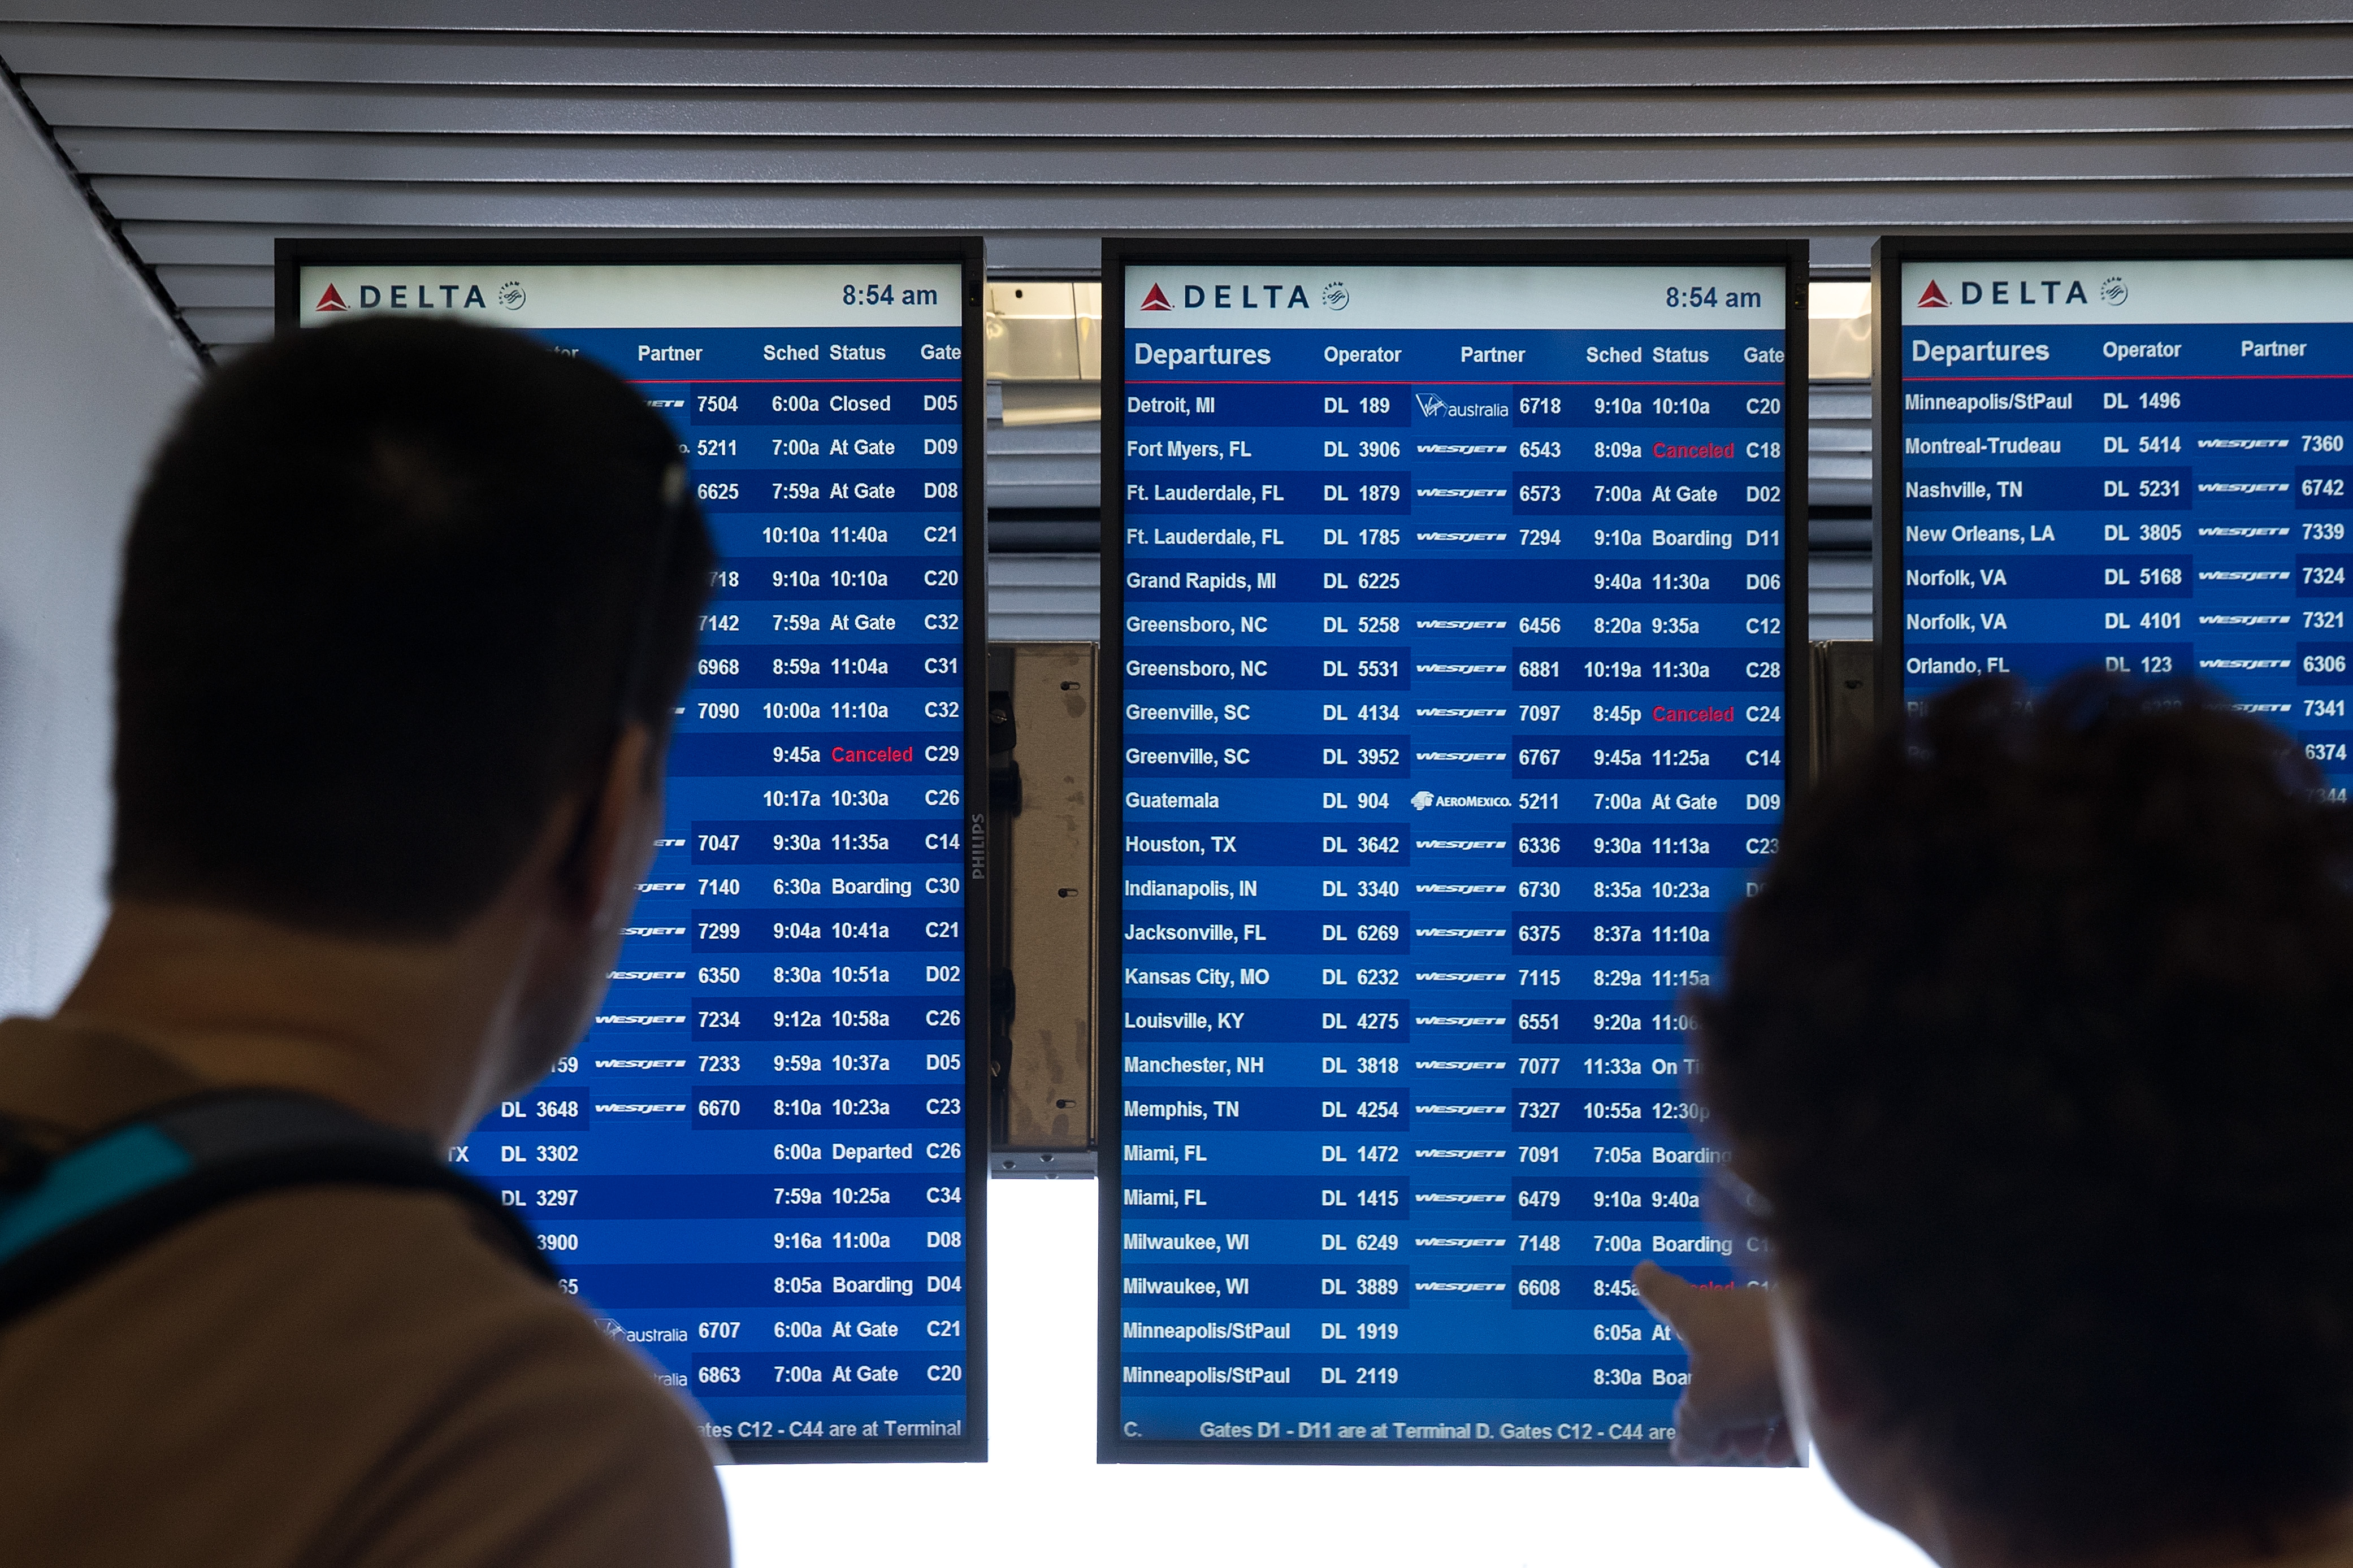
1838	586
1045	598
208	127
1045	467
1838	446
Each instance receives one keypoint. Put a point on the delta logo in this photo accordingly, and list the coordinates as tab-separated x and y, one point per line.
1242	297
419	297
2022	291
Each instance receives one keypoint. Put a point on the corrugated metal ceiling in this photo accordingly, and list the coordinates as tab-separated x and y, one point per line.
206	127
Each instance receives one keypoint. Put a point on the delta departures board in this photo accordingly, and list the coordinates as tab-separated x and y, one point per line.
2130	457
1454	615
764	1166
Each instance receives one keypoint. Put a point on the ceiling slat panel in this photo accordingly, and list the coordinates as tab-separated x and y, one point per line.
1732	114
411	160
233	325
1177	18
1845	60
209	127
237	288
725	207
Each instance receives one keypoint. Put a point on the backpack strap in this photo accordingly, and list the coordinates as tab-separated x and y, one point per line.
123	1188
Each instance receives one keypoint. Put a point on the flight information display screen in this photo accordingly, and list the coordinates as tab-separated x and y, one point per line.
2134	464
760	1167
1448	612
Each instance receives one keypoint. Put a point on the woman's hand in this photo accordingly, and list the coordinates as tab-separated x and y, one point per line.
1730	1412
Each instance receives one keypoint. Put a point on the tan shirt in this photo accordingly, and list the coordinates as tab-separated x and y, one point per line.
322	1375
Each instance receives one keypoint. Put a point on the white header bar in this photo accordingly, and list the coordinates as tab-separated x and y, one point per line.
1474	299
644	295
2126	293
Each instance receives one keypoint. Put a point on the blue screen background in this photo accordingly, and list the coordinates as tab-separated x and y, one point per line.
1452	724
752	1166
2161	513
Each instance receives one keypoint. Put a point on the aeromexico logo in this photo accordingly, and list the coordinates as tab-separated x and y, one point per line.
2025	292
419	297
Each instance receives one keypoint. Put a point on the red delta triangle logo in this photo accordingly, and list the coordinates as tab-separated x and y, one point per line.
1931	297
330	300
1154	299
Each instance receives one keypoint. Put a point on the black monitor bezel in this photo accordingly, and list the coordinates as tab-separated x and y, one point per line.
291	255
1888	256
1119	253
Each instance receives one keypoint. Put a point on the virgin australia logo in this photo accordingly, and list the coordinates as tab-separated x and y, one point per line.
1433	405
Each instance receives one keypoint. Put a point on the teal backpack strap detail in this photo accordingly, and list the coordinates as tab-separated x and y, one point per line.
96	1175
80	1211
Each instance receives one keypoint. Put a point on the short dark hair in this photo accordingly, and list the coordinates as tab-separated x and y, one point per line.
385	587
2037	1043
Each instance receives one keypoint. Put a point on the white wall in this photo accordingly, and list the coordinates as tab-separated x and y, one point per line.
90	370
1041	1500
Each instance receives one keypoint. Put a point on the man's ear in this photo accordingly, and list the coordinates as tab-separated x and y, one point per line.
1825	1390
1851	1428
1843	1393
610	839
